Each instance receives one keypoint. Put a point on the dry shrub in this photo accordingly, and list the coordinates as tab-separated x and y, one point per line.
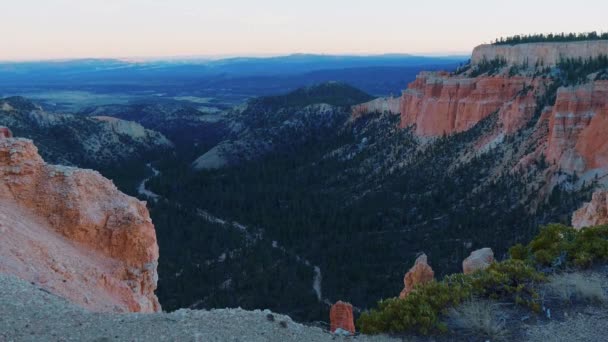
578	286
480	317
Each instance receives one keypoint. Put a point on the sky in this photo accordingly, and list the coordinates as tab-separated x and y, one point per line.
63	29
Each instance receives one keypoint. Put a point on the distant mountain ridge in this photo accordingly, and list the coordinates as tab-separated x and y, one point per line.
95	142
235	79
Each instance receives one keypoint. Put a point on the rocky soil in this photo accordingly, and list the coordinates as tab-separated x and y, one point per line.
29	313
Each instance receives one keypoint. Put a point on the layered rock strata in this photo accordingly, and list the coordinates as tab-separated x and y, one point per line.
439	104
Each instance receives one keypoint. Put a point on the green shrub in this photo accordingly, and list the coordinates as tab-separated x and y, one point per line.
420	311
515	280
559	245
423	310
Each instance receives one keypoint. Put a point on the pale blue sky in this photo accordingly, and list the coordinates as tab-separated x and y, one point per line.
45	29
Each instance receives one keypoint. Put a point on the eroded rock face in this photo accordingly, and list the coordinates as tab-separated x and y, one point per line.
390	105
593	213
547	54
438	104
478	260
341	317
420	273
578	126
83	210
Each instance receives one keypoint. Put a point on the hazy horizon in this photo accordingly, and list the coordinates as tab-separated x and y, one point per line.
208	58
37	30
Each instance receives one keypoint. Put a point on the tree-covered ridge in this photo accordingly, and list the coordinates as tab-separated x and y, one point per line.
576	70
550	38
333	93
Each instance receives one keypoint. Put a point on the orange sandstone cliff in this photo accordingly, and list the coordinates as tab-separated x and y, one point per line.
438	103
578	127
71	232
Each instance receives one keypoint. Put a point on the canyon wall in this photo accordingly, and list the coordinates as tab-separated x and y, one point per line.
71	232
578	127
548	54
438	103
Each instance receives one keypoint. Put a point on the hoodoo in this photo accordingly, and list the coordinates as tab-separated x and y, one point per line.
5	133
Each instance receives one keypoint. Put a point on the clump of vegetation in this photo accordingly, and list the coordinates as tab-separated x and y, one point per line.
480	317
425	307
576	70
490	67
333	93
514	280
559	245
420	310
577	286
559	37
463	67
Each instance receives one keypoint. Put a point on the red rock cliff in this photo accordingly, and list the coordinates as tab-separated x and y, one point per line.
437	103
578	127
72	232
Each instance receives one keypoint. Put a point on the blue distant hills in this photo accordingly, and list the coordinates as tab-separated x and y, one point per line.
234	79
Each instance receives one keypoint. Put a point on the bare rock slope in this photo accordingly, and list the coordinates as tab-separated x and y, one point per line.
71	232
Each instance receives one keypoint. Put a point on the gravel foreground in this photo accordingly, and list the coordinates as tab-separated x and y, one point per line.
28	313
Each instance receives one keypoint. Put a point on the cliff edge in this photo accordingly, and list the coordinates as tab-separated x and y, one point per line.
546	54
71	232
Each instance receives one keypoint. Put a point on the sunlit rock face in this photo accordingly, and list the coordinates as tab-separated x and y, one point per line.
73	233
593	213
545	54
578	126
440	104
421	273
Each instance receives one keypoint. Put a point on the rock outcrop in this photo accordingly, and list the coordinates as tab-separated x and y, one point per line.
391	105
593	213
547	54
478	260
578	126
5	133
440	104
72	232
421	273
341	317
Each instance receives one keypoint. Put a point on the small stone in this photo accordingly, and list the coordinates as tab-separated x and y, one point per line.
283	324
478	260
270	317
